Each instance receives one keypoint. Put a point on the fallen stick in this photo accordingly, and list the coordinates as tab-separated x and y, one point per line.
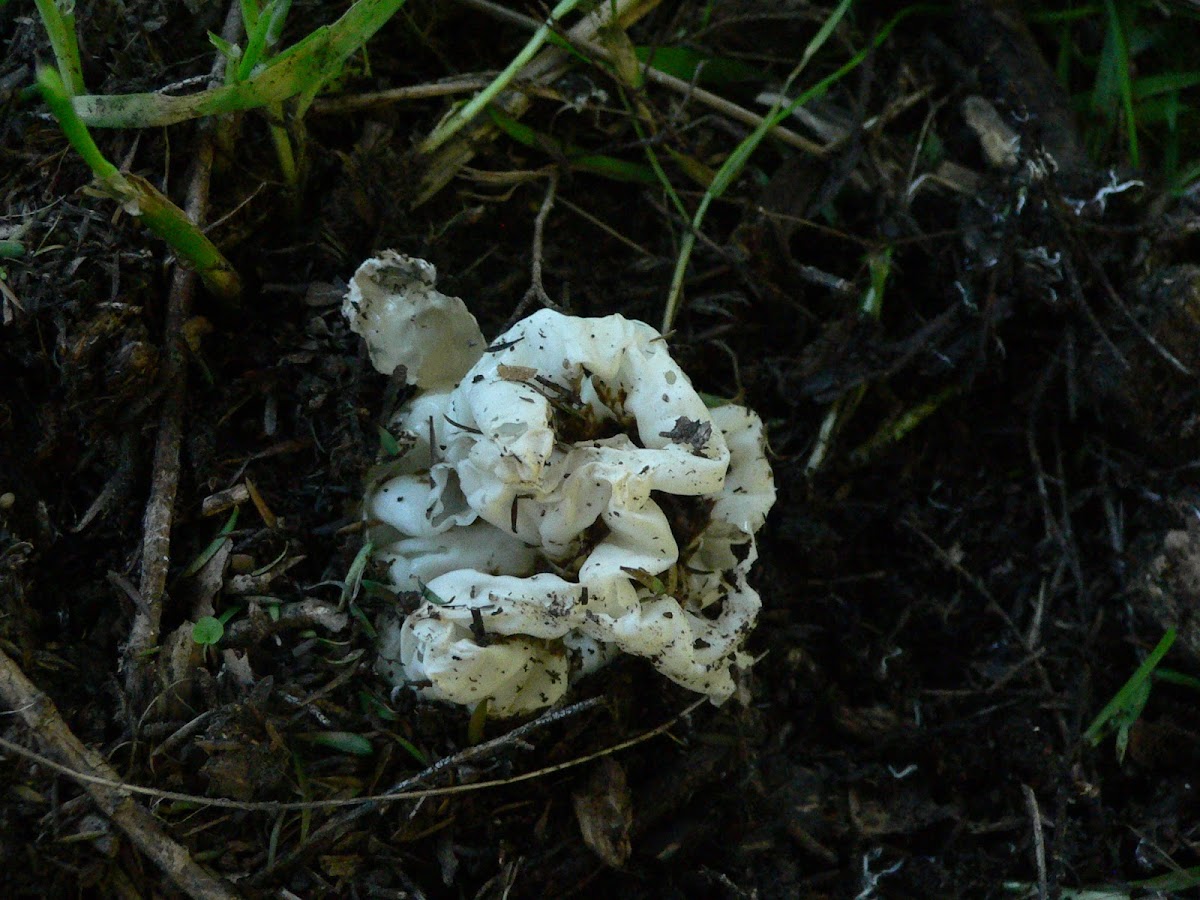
339	824
449	158
42	717
144	630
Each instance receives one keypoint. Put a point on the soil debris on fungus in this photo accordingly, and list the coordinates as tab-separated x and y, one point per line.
948	255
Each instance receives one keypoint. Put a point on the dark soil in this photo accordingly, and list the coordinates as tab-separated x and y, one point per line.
951	596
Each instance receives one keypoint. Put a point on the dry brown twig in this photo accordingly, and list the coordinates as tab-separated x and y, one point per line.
144	631
582	41
35	708
448	88
552	62
537	290
545	67
361	806
42	717
402	790
1039	840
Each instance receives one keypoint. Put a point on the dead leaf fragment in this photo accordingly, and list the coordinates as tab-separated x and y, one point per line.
341	865
1001	144
269	518
689	431
180	658
215	504
516	373
605	812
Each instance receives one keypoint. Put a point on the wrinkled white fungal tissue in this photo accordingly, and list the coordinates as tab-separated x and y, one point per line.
566	496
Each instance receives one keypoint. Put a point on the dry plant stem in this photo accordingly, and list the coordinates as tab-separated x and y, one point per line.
257	626
469	111
1043	677
356	102
606	228
1142	331
42	718
391	796
544	68
339	824
720	105
684	88
537	290
470	83
156	524
144	631
1039	840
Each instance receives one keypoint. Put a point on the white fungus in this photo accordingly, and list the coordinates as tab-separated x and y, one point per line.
567	496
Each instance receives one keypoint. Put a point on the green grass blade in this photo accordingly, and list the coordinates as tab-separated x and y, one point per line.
1170	676
1150	85
342	741
480	101
652	158
1186	177
213	546
140	198
348	34
1130	693
688	64
57	97
1061	17
300	71
256	45
895	430
59	22
579	159
250	10
741	154
1121	76
279	14
158	213
354	576
1172	881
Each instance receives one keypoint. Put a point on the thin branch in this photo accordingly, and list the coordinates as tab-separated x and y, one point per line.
85	765
144	631
951	562
537	290
1039	840
1142	331
678	85
461	85
605	227
338	825
402	790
